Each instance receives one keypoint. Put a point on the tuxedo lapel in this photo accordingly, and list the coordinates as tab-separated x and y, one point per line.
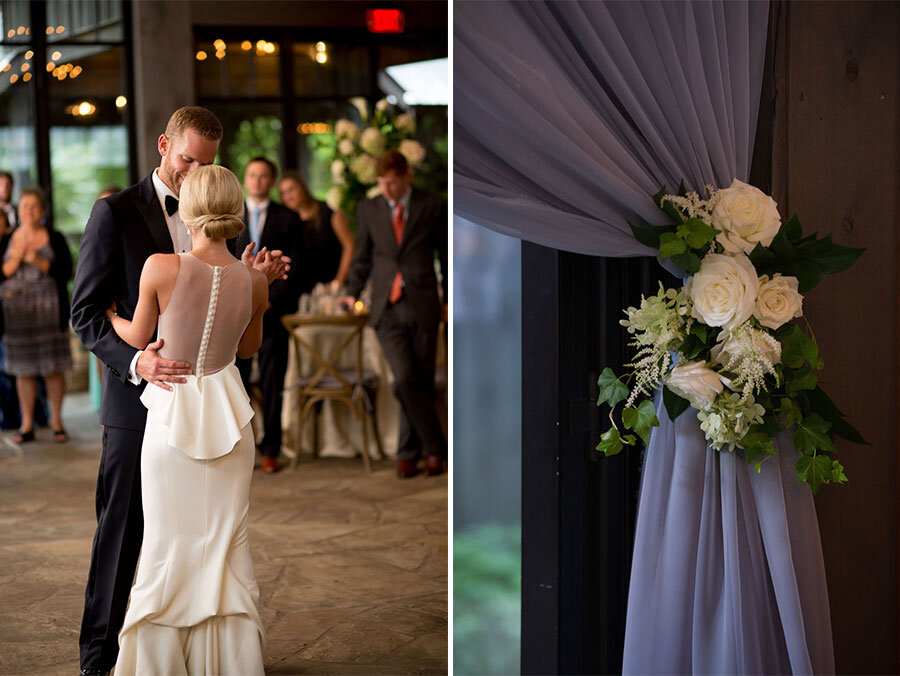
152	213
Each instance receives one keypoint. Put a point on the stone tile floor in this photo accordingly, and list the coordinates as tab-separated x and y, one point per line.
352	567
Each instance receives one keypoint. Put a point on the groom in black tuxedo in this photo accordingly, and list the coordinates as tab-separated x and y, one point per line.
273	226
124	230
400	232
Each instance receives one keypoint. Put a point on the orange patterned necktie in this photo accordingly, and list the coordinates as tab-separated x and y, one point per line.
399	222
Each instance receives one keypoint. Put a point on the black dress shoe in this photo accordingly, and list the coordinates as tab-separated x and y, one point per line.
94	672
434	465
406	469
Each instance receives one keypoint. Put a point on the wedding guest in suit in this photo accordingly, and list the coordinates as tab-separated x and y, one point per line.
272	226
124	230
6	190
327	240
400	232
37	267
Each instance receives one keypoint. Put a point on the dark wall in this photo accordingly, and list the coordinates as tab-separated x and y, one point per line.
837	163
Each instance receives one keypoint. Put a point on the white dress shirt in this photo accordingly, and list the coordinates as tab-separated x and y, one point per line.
404	202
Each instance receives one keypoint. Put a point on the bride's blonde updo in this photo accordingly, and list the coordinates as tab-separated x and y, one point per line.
212	200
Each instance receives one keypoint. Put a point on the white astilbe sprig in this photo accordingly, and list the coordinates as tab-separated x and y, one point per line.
750	354
658	326
692	205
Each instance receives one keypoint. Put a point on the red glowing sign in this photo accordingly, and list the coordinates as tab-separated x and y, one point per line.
385	20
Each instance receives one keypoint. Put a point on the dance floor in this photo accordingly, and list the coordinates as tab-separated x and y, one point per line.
352	567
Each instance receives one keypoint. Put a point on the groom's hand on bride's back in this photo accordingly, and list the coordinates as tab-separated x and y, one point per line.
158	371
273	264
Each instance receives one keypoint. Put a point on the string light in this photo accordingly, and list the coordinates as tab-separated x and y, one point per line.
20	30
28	54
13	78
11	33
201	55
26	77
321	57
320	46
246	45
220	54
56	56
25	67
121	102
50	66
49	30
60	29
5	68
314	128
76	71
219	45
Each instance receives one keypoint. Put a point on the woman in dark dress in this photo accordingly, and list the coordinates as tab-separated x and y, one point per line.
328	242
36	269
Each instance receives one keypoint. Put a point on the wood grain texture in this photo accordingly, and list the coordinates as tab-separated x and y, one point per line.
837	163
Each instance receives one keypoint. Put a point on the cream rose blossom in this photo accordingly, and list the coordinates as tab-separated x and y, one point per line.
746	216
724	292
779	300
696	382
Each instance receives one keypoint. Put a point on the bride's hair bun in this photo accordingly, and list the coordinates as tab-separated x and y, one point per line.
212	200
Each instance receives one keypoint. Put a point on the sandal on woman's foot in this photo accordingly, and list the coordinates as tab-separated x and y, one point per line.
60	436
22	437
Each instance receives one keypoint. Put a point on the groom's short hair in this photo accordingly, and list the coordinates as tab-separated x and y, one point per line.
199	119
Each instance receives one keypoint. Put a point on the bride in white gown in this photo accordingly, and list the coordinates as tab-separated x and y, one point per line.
193	606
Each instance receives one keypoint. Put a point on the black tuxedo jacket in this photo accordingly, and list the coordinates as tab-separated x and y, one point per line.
378	254
122	232
282	230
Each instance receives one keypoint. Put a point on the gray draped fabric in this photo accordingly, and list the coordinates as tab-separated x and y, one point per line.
567	116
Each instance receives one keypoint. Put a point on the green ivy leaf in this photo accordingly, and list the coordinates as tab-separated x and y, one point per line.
792	229
791	412
828	256
640	419
792	348
761	257
814	470
812	435
807	273
837	473
611	389
699	330
670	245
675	404
610	442
649	235
687	261
757	444
629	439
801	380
696	233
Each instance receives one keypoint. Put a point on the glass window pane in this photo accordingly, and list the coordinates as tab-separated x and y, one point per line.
330	69
487	446
15	22
17	151
237	69
315	124
251	130
84	20
88	132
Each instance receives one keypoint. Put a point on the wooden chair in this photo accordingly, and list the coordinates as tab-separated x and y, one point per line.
355	387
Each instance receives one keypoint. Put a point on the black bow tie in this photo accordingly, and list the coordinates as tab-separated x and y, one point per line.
171	205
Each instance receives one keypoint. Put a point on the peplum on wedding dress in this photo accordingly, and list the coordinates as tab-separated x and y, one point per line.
193	606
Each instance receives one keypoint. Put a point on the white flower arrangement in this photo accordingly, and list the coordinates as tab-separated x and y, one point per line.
725	343
355	151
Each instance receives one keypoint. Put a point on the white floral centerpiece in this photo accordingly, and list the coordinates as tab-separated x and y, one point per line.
353	173
725	343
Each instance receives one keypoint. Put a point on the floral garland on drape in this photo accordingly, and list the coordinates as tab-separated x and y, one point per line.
726	343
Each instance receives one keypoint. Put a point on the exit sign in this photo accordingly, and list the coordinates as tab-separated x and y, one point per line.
385	20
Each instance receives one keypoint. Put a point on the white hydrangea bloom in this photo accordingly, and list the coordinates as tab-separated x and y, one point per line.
729	419
413	151
406	123
346	147
372	141
346	129
365	169
334	198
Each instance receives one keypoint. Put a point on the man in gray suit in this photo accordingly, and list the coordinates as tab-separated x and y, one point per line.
400	231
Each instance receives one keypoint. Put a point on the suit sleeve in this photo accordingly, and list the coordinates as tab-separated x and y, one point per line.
441	231
93	293
361	264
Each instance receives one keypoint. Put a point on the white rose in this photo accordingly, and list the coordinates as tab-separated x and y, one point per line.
724	291
346	129
365	169
372	141
334	198
696	383
346	147
413	151
778	301
746	216
406	123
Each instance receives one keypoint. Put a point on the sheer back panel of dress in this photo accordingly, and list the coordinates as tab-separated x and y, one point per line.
182	323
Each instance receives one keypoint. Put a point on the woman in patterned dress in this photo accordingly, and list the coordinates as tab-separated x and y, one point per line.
36	269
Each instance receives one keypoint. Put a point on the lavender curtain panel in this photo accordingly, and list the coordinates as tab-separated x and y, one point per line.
567	116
